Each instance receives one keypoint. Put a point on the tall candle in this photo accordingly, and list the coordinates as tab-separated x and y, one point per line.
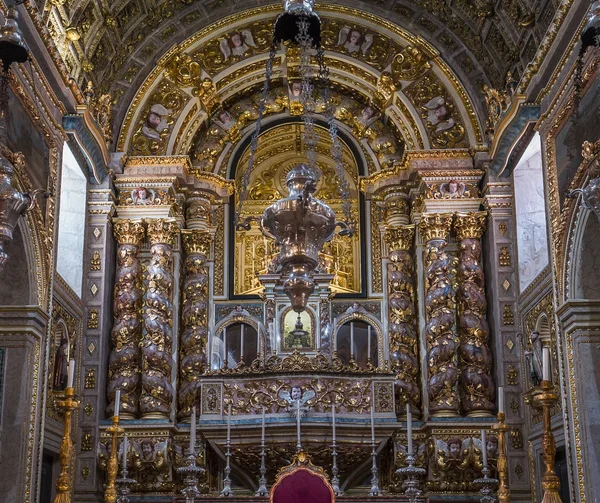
409	432
229	423
546	362
117	402
262	435
484	448
333	419
373	413
193	431
298	422
70	373
125	449
501	399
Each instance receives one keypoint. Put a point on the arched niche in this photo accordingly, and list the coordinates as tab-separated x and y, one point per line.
17	273
587	273
357	344
239	339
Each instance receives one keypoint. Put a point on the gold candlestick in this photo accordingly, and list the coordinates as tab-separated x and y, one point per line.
110	494
67	452
550	481
501	428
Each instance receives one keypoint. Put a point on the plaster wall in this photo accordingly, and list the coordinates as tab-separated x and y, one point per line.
71	222
532	234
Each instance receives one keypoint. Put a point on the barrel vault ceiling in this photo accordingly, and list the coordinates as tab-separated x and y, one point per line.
116	44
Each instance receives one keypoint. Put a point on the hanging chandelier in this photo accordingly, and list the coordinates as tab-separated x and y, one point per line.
13	204
301	224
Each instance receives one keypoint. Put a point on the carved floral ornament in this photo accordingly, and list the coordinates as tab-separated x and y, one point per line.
381	57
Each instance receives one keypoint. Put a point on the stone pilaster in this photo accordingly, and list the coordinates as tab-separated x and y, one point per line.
157	340
402	315
476	383
193	356
440	330
125	357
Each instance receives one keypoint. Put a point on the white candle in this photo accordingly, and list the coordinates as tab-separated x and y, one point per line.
409	433
333	418
546	362
501	399
484	448
117	402
262	435
298	423
229	423
70	373
125	449
373	413
193	431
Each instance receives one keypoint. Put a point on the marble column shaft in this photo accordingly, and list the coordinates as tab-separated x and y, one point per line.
476	383
193	356
402	313
125	357
440	329
157	340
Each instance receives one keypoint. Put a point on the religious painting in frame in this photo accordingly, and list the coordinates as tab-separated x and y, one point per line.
292	337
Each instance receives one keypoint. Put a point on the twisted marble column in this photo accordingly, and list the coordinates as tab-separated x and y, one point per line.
440	330
157	340
477	386
402	313
194	334
124	360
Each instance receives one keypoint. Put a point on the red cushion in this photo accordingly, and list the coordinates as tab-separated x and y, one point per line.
302	487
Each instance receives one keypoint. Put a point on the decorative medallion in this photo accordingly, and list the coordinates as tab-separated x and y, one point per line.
506	284
97	233
510	344
94	289
502	228
88	409
85	472
91	347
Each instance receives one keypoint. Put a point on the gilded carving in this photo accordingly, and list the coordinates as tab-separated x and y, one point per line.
90	378
384	398
125	357
477	386
92	322
151	464
95	263
504	259
194	319
516	438
438	112
157	338
452	189
441	338
502	227
211	399
409	64
86	441
512	376
249	397
403	315
508	317
143	196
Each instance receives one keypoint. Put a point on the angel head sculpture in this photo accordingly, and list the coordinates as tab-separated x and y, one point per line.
237	44
439	114
297	399
156	122
354	41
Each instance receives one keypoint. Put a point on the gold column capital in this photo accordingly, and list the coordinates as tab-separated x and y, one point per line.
435	225
196	241
399	238
470	225
162	231
128	232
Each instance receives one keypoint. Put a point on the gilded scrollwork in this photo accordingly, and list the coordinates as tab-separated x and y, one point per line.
402	315
250	396
440	333
477	386
157	339
194	335
125	357
409	64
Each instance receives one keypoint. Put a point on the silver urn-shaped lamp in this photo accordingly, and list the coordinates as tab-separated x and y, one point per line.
300	224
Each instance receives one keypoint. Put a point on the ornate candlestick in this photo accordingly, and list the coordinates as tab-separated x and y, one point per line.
412	478
501	428
124	484
487	486
550	481
67	454
227	480
335	480
190	473
375	490
110	494
262	481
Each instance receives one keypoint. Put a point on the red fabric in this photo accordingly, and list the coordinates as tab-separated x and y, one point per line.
302	487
